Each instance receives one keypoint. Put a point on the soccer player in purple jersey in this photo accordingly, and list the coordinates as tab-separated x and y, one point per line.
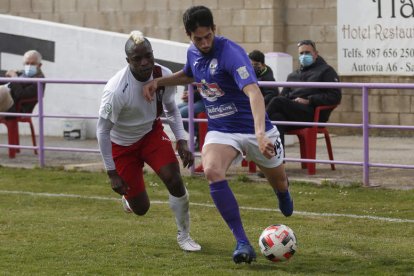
237	122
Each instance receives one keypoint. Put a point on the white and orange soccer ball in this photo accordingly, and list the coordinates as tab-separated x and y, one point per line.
278	243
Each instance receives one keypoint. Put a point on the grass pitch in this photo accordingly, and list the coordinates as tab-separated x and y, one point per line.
56	222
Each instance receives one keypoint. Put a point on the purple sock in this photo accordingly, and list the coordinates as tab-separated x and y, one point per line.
228	207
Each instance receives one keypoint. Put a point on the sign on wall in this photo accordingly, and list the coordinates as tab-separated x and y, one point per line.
375	37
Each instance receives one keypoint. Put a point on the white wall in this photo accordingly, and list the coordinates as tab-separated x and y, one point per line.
281	64
80	53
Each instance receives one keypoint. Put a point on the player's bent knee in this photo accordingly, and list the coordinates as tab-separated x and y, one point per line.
213	174
140	204
140	210
176	186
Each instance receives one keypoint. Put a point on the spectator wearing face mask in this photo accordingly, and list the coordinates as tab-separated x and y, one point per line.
11	93
298	103
263	73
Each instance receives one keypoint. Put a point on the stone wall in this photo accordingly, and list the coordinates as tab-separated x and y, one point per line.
253	23
268	25
386	106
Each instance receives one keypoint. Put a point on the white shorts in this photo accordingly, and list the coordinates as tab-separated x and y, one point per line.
247	145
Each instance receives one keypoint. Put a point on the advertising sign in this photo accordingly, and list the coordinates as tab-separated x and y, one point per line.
375	37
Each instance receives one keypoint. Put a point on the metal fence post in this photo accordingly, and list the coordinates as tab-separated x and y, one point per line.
365	135
191	123
41	124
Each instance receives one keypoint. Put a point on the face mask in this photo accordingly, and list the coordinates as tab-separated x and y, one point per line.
30	70
306	60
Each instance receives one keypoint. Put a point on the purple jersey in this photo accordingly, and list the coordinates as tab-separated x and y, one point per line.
220	77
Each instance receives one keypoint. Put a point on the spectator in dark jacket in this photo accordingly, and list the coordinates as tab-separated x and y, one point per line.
298	103
263	73
32	61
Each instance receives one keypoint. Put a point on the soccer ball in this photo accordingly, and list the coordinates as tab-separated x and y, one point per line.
277	243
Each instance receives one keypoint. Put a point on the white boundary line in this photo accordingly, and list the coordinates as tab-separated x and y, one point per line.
302	213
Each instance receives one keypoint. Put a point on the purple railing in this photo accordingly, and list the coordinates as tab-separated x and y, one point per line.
365	119
41	116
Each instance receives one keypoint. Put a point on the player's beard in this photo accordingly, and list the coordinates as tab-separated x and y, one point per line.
206	50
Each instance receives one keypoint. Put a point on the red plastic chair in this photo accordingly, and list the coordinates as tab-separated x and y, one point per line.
250	164
12	124
202	131
307	140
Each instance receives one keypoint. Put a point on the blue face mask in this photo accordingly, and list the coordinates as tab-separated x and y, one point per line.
30	70
306	60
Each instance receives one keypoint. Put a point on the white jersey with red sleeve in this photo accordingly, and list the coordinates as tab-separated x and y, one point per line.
124	105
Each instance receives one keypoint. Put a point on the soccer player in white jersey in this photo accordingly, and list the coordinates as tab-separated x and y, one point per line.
237	122
130	133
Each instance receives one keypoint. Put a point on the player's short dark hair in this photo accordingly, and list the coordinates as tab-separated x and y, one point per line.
197	16
257	56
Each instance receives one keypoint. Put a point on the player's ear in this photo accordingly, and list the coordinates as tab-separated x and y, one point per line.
213	28
127	59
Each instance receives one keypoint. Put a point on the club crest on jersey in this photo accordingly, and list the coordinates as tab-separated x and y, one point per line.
108	108
213	66
243	73
209	91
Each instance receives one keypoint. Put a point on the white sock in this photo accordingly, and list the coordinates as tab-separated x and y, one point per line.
180	207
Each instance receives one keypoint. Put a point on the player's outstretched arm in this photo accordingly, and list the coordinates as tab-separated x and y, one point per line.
178	78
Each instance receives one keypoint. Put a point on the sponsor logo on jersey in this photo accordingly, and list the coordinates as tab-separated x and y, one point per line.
243	73
221	111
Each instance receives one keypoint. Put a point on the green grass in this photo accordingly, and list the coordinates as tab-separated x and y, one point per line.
90	235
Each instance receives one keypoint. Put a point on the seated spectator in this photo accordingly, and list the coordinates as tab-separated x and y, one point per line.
198	108
11	93
298	103
263	73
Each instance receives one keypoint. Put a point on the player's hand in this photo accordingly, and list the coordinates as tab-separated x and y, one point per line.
301	101
266	147
148	90
185	154
11	74
117	184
